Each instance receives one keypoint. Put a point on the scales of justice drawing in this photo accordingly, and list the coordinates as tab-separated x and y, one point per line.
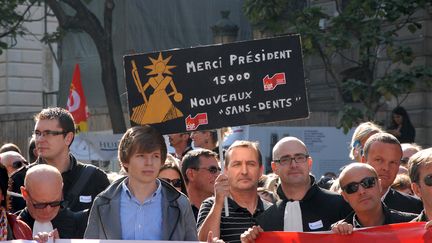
158	106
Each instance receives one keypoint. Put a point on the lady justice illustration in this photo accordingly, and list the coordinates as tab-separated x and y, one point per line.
158	107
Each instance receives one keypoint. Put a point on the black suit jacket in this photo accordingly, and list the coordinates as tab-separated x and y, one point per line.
403	202
320	208
70	225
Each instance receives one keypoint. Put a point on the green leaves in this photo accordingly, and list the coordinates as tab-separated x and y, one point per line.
363	36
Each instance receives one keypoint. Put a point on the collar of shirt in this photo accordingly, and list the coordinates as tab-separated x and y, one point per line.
386	213
72	162
385	194
312	190
236	207
130	195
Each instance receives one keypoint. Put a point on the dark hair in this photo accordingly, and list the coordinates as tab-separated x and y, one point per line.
173	166
10	147
63	116
382	137
141	139
399	110
192	160
244	144
32	145
4	185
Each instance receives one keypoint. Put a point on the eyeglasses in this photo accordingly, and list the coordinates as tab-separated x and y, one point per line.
211	169
173	182
17	164
367	182
404	160
428	180
297	158
45	204
48	133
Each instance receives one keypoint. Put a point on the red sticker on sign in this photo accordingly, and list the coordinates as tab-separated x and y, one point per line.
192	123
275	80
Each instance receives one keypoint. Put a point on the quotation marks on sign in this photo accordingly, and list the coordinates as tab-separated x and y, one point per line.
192	123
275	80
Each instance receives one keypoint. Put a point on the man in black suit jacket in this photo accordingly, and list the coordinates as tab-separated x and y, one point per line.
383	152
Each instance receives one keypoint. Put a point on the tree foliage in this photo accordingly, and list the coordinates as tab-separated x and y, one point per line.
365	36
11	21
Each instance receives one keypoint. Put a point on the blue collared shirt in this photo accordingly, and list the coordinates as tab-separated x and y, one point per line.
141	221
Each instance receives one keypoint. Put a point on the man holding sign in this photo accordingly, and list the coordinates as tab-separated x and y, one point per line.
243	168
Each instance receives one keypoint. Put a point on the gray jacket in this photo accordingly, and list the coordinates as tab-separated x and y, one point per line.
178	222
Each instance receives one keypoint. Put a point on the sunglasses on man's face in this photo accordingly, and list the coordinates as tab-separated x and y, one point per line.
173	182
17	164
212	169
367	182
428	180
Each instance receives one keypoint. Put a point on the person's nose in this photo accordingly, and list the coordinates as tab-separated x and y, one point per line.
244	169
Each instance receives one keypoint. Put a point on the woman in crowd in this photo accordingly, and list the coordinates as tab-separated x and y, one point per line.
359	138
401	126
171	173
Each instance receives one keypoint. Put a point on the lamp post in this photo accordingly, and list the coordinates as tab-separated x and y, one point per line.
224	31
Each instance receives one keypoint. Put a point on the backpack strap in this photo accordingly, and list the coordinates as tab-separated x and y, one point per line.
71	198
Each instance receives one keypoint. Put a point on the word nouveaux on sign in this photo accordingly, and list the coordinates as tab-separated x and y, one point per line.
217	86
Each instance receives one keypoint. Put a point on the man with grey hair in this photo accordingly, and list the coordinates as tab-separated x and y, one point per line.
43	193
383	152
304	207
200	168
361	189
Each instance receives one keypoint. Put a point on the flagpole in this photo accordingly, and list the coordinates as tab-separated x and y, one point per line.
221	159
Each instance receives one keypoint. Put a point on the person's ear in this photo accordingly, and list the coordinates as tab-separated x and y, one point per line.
190	174
69	138
363	159
310	162
24	193
416	189
274	167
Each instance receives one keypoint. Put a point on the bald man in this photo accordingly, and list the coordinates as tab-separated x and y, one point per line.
362	190
12	161
304	207
43	193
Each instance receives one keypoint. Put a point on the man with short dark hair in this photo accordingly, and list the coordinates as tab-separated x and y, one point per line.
54	132
383	152
239	182
200	168
140	206
181	142
361	189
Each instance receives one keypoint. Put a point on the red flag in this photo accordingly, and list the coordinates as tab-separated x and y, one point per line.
77	104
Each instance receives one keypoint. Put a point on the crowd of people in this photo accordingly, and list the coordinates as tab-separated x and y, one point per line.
191	195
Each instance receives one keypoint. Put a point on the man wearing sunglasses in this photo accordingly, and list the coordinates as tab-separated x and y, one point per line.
304	207
239	182
362	190
200	168
43	194
54	132
420	172
383	152
13	161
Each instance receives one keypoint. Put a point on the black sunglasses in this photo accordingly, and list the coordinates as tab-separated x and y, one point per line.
367	182
211	169
44	205
17	164
428	180
173	182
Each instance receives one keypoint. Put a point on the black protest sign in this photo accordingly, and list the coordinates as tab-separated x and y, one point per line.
217	86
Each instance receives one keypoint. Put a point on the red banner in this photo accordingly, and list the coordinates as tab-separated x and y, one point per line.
404	232
77	104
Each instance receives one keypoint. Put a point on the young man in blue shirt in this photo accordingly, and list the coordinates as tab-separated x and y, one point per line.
140	206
